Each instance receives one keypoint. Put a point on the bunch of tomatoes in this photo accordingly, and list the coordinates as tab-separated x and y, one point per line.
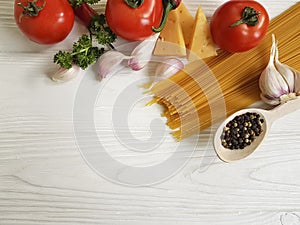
236	26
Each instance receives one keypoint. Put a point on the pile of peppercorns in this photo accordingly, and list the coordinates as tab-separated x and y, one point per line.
241	131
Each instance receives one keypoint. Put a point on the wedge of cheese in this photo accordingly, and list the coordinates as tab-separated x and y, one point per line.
187	23
171	40
201	44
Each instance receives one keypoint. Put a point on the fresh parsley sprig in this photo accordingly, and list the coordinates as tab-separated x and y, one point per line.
84	53
64	59
101	30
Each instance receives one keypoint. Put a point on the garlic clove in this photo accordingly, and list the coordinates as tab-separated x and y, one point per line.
165	69
270	101
283	69
110	62
142	53
63	74
272	83
287	75
168	67
296	81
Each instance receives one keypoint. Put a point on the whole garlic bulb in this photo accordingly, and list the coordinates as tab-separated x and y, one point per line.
278	82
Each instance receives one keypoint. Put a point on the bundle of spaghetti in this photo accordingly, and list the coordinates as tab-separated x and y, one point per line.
207	91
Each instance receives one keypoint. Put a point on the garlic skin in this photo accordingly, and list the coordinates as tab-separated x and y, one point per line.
283	69
64	75
165	69
168	67
278	81
297	82
142	53
110	62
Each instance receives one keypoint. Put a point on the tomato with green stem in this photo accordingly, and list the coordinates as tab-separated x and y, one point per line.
238	26
44	21
138	19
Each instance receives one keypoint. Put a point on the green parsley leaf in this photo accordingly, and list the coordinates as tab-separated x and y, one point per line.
105	36
101	31
84	54
84	60
64	59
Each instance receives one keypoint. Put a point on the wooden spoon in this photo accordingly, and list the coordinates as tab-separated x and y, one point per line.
269	117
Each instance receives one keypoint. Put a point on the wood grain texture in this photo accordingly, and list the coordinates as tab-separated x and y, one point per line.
44	179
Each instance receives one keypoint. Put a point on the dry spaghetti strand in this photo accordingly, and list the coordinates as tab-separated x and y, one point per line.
190	96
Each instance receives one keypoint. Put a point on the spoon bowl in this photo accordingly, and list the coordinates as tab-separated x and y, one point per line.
269	116
229	155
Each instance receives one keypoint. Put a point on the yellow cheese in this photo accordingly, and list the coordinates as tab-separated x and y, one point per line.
171	40
201	45
186	22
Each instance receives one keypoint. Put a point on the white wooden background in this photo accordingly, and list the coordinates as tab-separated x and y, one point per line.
44	179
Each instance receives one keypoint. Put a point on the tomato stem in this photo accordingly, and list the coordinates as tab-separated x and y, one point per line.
168	6
134	3
31	9
249	17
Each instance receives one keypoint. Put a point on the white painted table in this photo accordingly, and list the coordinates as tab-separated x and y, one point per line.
44	178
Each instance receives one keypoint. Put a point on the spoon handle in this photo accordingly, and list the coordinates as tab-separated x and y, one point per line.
285	109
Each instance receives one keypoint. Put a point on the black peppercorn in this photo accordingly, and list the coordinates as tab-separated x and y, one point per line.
241	131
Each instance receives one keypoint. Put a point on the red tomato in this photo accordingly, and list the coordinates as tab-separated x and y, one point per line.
243	36
85	13
51	24
133	23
